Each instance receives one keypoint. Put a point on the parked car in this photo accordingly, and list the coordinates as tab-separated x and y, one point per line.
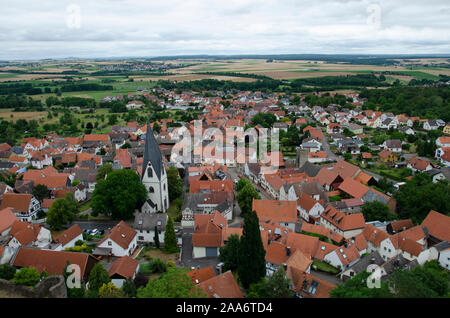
94	232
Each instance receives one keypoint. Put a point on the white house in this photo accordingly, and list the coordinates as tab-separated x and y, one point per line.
308	207
68	238
24	206
145	224
27	234
120	241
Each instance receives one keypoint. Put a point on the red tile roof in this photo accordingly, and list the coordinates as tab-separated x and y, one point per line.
438	225
68	235
124	267
222	286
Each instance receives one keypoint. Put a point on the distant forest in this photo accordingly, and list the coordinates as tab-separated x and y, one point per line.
426	102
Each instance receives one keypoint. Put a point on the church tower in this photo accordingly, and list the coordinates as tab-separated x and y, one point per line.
154	176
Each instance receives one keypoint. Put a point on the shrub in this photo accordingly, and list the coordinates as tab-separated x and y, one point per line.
27	276
79	243
7	272
157	266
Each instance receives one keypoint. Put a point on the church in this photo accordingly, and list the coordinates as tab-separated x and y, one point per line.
154	176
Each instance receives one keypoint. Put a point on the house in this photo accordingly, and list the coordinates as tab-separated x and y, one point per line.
394	145
443	249
419	165
54	262
399	226
120	241
364	264
282	212
343	257
7	219
319	156
309	208
433	124
221	286
306	285
386	155
24	206
355	128
437	226
124	268
345	225
135	104
68	238
27	234
207	236
446	129
202	274
145	225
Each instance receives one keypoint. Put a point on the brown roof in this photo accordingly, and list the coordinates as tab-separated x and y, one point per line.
17	202
276	253
305	243
122	234
200	275
299	260
374	235
438	225
343	221
303	282
354	188
281	211
53	262
7	219
69	234
222	286
96	138
124	267
208	229
26	233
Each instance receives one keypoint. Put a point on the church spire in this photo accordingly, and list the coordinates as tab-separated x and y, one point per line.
152	154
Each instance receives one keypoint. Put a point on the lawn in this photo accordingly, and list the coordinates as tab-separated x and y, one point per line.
152	252
325	267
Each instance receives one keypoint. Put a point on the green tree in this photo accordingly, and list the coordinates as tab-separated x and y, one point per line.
377	211
241	184
27	276
229	254
156	237
174	183
118	195
103	171
60	213
276	286
175	283
428	281
357	287
170	239
419	196
98	277
7	271
129	288
41	192
109	290
245	198
252	264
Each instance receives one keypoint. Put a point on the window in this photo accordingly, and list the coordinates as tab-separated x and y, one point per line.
151	190
150	172
109	243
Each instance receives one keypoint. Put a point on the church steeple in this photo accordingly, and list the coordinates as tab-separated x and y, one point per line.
152	154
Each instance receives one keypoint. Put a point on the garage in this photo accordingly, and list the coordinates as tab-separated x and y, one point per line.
211	252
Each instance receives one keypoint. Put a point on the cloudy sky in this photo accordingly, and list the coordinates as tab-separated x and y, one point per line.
114	28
